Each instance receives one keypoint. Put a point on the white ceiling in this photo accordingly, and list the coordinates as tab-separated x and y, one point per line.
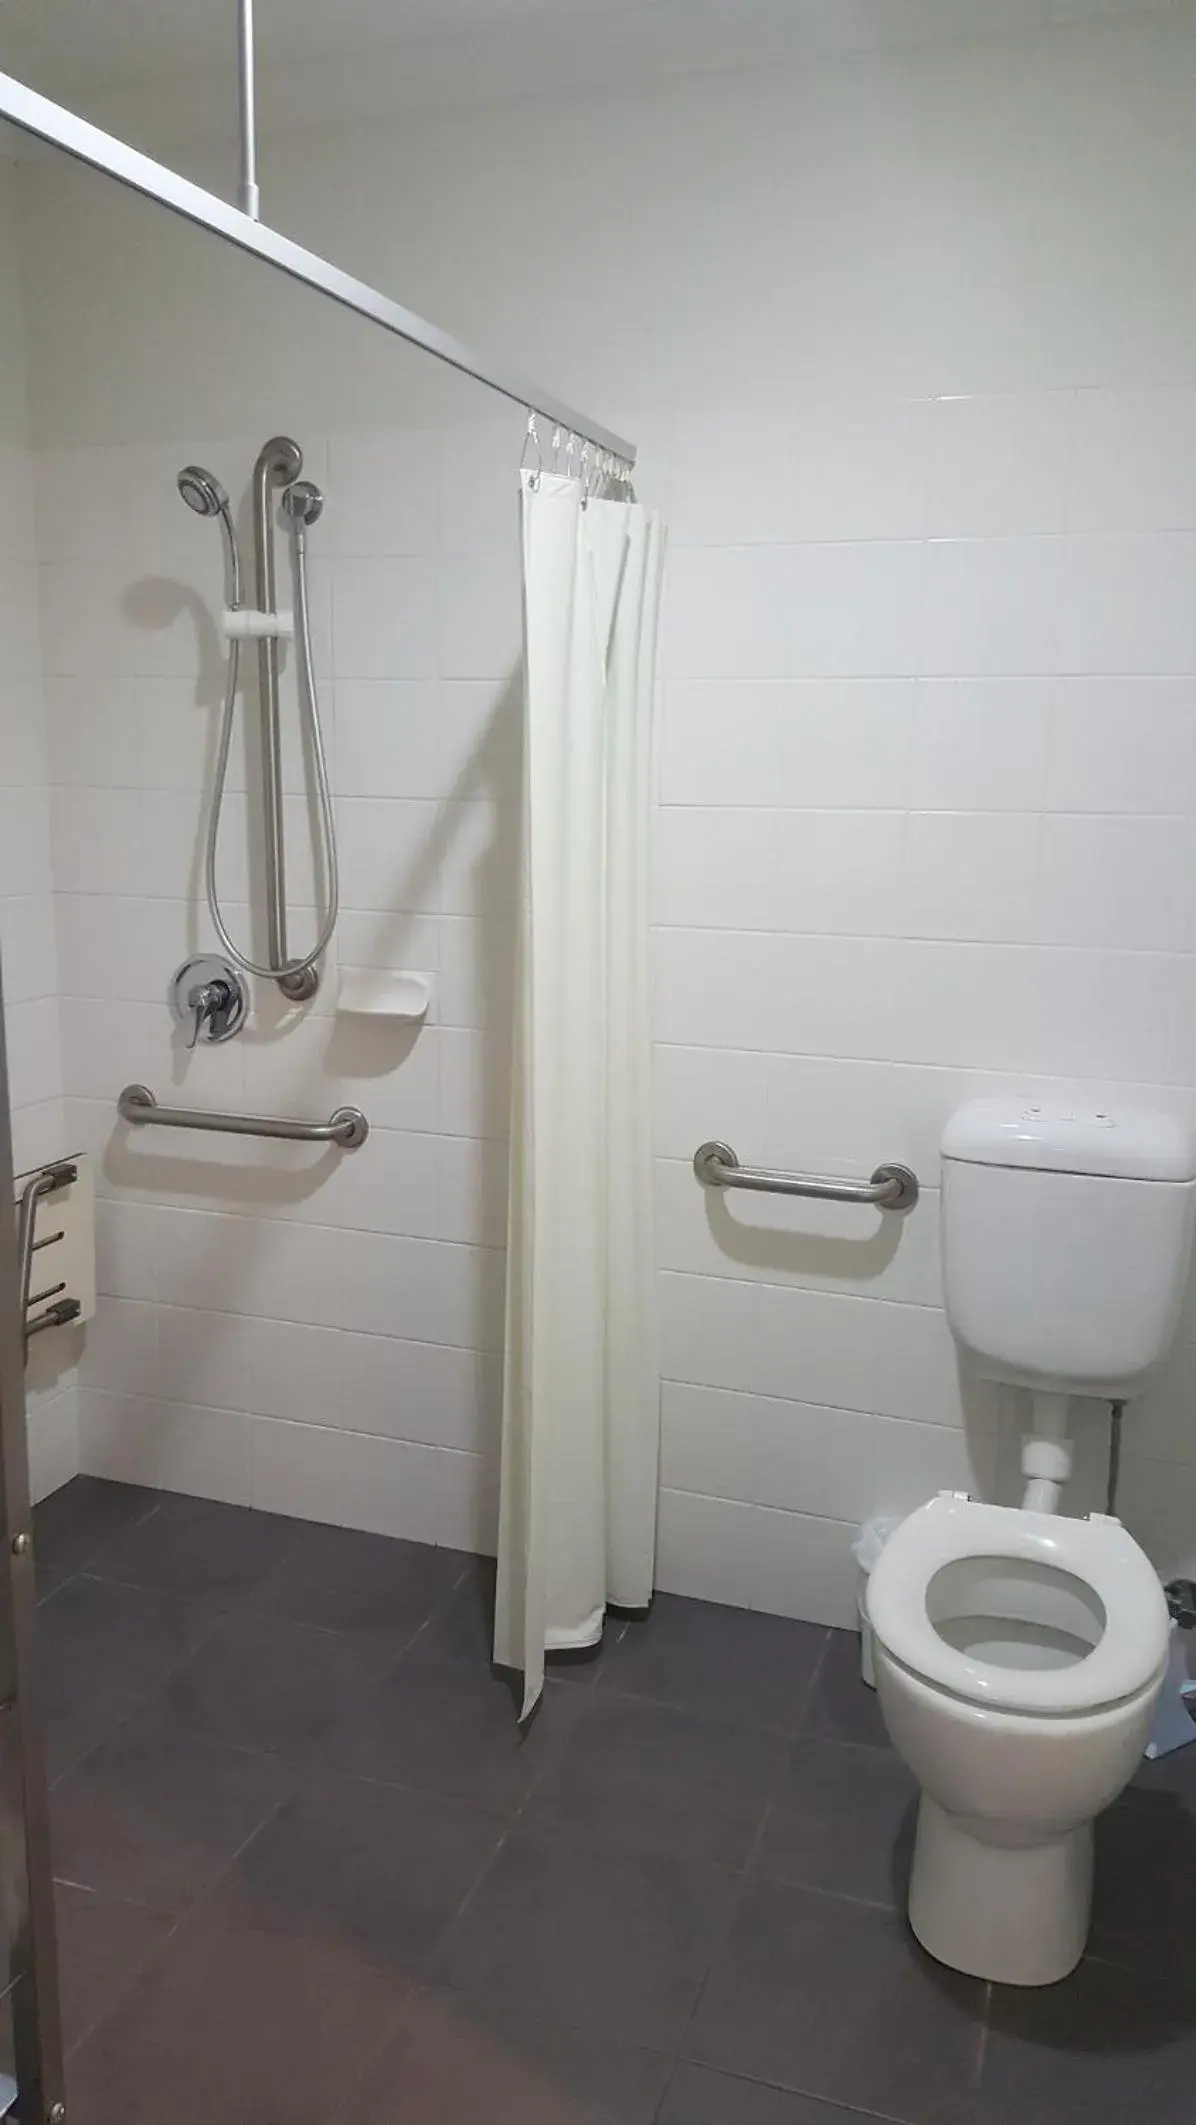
335	58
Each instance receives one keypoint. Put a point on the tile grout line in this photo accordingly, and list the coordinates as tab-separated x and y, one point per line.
305	1771
178	1921
508	1830
82	1569
790	1752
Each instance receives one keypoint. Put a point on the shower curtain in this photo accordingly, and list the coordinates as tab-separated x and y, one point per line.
580	1446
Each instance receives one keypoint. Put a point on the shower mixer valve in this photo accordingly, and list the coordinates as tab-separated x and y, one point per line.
208	996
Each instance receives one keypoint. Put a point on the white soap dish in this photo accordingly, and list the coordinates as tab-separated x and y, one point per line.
369	994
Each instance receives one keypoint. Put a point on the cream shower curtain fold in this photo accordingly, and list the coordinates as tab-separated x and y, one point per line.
580	1447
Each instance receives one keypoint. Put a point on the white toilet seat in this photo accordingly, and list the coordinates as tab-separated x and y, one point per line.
1098	1552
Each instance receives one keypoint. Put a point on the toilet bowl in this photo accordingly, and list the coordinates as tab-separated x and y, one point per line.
1018	1658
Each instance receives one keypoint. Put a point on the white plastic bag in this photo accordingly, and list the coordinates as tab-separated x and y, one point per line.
866	1549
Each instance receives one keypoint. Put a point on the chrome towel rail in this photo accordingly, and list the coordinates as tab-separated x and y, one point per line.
891	1187
348	1127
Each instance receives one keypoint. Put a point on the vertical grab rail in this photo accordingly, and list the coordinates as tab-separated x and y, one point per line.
279	462
28	1901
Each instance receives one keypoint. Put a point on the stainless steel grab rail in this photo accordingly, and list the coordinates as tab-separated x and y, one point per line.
891	1187
348	1127
279	462
58	1175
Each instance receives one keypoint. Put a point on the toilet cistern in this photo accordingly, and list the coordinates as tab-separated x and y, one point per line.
1067	1238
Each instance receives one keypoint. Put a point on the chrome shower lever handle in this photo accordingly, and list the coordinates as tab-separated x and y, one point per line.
209	998
211	1004
197	1004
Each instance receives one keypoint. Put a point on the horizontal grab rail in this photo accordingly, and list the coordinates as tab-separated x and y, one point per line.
348	1127
891	1187
58	1316
60	1173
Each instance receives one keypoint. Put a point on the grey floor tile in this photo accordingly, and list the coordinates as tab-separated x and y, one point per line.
1174	1774
236	2027
342	1580
68	1735
608	1940
262	1683
375	1871
648	1775
455	2063
575	1953
73	1523
831	1998
464	1627
731	1663
156	1815
841	1706
843	1820
103	1945
449	1727
1106	2047
199	1550
699	2097
1150	1840
102	1647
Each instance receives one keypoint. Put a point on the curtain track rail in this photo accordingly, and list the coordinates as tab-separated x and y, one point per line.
47	121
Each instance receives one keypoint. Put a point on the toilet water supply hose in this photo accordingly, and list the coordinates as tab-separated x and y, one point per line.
1116	1412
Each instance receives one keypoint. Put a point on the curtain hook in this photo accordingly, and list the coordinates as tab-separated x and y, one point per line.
556	449
531	441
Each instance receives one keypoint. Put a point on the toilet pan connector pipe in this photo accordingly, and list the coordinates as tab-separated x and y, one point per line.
1048	1458
1042	1496
1047	1455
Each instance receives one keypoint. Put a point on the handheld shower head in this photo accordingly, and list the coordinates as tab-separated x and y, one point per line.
202	491
303	502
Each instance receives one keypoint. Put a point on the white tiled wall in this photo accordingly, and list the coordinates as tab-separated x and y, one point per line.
927	828
926	773
878	889
310	1330
27	944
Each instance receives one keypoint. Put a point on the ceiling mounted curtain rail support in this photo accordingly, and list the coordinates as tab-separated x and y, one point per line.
250	193
64	129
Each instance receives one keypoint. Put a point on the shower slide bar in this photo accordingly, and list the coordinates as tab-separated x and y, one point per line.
891	1187
348	1127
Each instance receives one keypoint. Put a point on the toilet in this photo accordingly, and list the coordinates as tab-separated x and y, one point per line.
1019	1652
